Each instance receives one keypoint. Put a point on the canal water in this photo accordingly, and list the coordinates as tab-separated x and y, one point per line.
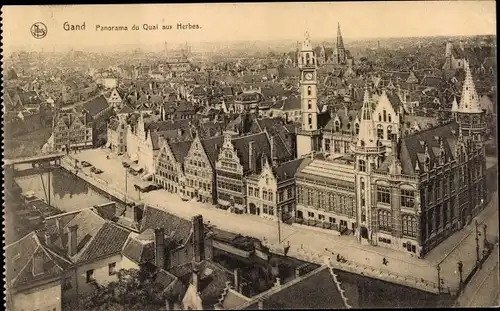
62	189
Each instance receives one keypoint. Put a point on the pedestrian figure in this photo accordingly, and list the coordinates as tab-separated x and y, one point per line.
338	257
384	261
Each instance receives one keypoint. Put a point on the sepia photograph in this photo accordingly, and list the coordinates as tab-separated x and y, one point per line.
262	156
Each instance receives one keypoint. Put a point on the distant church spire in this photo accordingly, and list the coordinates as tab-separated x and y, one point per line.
469	101
339	50
340	42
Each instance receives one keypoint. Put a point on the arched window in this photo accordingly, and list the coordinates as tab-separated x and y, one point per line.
385	116
389	133
362	143
309	104
409	226
362	183
348	126
309	91
356	128
309	118
384	220
379	118
380	131
390	118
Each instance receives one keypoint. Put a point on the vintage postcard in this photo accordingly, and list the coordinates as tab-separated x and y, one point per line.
250	156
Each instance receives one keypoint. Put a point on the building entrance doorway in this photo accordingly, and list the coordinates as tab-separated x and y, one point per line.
253	209
364	233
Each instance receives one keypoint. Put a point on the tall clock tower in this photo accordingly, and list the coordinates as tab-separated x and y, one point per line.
309	135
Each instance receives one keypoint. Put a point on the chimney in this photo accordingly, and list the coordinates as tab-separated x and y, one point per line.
272	147
198	239
72	240
251	156
195	281
47	239
260	305
236	284
58	225
297	272
160	248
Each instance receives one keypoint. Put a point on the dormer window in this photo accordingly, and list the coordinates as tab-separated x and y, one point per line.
337	126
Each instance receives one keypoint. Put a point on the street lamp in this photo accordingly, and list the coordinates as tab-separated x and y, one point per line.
478	261
278	210
438	268
460	266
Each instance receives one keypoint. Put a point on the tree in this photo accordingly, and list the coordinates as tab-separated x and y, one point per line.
135	289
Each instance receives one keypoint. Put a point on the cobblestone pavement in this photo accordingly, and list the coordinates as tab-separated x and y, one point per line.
315	243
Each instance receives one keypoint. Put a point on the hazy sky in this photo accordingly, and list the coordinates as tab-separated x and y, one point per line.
254	21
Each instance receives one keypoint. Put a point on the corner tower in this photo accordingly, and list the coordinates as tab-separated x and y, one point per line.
309	134
368	151
469	115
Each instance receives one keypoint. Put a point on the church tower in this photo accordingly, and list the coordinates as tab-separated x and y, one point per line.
340	47
308	136
368	151
469	115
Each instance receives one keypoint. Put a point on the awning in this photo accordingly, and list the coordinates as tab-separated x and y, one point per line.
135	167
147	176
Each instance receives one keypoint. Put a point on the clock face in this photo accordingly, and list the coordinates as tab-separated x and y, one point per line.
309	76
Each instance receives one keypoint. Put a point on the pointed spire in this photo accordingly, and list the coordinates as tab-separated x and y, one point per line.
306	44
454	105
469	102
366	98
340	42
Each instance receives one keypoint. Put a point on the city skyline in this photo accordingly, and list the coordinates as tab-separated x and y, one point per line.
251	22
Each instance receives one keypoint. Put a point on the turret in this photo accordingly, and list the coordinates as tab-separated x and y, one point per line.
470	116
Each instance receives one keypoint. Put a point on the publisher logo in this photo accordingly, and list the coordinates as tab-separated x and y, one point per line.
38	30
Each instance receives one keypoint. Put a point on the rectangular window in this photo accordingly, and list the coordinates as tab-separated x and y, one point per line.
327	145
383	195
384	220
281	196
332	220
112	268
362	166
310	214
407	198
250	191
321	217
290	193
271	197
90	275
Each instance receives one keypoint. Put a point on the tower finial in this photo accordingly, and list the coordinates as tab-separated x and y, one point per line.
306	44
